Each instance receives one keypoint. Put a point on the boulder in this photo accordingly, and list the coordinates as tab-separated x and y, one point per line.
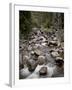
37	46
32	52
43	71
54	54
55	39
43	44
43	39
59	61
41	60
31	64
37	52
32	41
29	48
53	43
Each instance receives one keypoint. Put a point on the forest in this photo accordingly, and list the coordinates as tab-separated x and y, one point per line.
41	44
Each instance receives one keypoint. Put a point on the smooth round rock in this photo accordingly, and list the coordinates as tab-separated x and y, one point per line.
41	60
43	71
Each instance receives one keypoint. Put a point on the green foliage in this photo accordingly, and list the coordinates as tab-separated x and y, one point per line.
41	19
25	23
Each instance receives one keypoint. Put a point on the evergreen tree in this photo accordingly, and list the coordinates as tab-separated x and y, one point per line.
25	23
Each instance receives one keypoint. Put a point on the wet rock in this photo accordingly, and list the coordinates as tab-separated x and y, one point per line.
53	43
44	44
41	60
42	38
43	71
32	41
52	36
59	58
46	41
37	46
32	52
55	39
59	61
52	50
54	54
46	36
29	48
37	52
31	65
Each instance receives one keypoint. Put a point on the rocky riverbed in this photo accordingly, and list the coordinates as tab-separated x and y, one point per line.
41	55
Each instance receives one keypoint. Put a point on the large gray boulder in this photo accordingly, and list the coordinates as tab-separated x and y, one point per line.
41	60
